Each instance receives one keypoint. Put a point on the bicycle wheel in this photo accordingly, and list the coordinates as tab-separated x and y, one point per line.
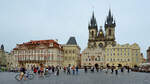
17	77
30	76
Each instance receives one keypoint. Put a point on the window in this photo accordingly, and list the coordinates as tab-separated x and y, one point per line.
136	59
69	51
51	45
73	51
66	51
118	49
98	58
114	49
128	60
128	50
95	59
103	59
109	32
108	50
92	33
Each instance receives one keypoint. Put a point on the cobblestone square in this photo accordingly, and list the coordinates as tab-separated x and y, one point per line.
81	78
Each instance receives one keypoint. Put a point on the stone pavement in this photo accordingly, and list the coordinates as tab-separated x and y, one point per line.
81	78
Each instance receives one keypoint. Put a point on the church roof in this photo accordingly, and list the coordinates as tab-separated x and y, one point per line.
72	41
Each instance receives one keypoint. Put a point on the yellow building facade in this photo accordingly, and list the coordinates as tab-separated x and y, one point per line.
71	53
123	55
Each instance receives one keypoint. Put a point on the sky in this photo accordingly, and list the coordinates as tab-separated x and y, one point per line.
25	20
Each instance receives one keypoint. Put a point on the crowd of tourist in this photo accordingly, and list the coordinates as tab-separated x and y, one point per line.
43	70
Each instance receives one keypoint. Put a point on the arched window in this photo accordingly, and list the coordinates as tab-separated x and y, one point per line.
92	33
109	32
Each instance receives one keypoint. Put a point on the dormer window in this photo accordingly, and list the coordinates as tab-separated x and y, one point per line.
51	45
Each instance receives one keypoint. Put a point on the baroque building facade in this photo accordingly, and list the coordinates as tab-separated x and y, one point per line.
6	59
71	53
148	55
123	55
34	53
102	46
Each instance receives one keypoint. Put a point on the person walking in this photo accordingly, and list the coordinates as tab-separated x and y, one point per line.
68	69
101	68
73	70
92	69
77	69
116	70
35	70
64	69
85	69
57	70
53	69
128	69
41	70
122	69
97	67
112	69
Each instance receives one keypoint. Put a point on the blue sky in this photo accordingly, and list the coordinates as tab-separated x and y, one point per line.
25	20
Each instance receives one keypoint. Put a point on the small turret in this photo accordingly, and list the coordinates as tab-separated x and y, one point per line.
101	34
2	47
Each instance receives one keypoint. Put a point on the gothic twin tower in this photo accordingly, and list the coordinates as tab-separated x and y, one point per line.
100	39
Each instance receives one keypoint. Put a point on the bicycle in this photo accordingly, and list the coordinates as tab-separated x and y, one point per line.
28	75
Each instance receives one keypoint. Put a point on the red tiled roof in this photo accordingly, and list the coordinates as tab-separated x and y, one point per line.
38	42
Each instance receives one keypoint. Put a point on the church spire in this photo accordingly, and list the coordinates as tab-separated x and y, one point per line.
109	14
93	23
109	20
